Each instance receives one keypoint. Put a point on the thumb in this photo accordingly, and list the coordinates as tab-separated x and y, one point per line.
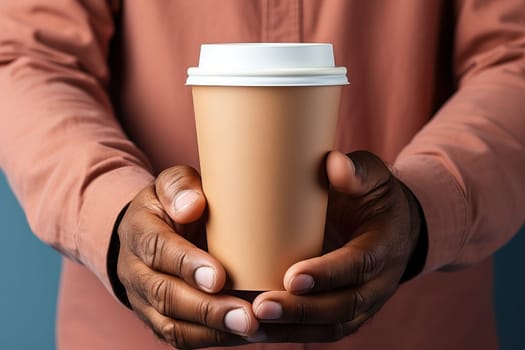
357	173
180	192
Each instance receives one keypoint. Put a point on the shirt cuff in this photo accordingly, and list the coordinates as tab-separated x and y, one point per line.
443	203
103	200
112	262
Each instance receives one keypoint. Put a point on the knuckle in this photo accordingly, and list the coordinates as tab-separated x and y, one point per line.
218	337
145	200
356	272
159	295
137	283
368	265
164	331
364	265
379	207
152	247
204	311
181	260
302	313
175	334
349	328
337	332
170	175
172	179
167	331
332	279
357	305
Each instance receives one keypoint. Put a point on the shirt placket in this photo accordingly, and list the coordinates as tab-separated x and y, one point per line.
281	21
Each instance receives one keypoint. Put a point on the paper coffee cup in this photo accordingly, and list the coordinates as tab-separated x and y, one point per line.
266	116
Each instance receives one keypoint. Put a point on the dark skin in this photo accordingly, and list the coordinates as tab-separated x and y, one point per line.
373	225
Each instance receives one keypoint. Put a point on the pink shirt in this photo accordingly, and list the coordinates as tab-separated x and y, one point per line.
438	91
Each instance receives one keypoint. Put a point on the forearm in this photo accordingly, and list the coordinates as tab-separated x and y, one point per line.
467	165
468	175
68	161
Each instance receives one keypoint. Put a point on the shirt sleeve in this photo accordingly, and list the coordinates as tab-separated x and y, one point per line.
65	155
467	166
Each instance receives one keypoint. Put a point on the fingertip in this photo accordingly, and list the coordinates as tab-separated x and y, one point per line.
341	171
209	278
337	157
179	191
220	279
205	278
241	321
188	206
184	200
300	283
297	281
288	277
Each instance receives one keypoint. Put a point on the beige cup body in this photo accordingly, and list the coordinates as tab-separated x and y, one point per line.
262	153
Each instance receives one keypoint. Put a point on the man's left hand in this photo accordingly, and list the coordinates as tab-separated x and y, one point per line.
374	221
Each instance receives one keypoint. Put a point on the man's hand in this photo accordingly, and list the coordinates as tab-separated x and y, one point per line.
170	283
374	221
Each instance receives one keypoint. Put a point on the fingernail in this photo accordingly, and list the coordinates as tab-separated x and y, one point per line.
184	199
236	320
302	283
258	336
269	310
204	276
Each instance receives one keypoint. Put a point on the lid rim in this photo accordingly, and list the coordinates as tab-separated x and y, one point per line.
320	80
306	71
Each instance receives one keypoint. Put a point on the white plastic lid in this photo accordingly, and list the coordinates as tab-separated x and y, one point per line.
267	64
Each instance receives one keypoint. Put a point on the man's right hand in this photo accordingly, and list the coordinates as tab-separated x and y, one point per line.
171	283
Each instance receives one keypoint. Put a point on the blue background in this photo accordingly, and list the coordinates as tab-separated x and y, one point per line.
29	275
